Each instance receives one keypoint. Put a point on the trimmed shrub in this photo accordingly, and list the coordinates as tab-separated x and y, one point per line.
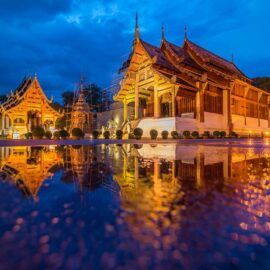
38	132
77	133
216	134
48	134
76	146
206	134
63	134
174	134
95	134
153	134
56	135
186	133
138	146
138	132
119	134
222	134
195	134
165	134
28	135
233	134
106	134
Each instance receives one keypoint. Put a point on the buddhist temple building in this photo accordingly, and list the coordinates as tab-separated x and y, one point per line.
81	116
25	109
189	88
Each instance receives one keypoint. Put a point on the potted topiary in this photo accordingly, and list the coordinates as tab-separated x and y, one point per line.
77	133
206	135
28	135
38	132
165	134
174	134
216	134
119	134
233	134
153	134
195	134
186	134
138	132
63	134
56	135
95	134
106	134
48	134
222	134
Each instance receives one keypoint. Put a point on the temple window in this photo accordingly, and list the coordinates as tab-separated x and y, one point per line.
18	121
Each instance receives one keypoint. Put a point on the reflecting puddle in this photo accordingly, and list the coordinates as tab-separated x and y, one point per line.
134	207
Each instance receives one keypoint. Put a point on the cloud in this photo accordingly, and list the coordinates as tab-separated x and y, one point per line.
62	39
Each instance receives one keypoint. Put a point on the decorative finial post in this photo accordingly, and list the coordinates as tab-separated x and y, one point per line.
163	32
81	83
185	32
35	75
137	33
233	58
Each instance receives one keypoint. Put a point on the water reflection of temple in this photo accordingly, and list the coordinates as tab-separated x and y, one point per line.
199	165
162	184
28	167
87	166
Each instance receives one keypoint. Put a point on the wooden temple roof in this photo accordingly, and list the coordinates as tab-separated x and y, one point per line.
188	63
16	97
214	61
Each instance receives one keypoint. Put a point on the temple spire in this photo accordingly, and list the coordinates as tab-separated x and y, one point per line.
163	32
137	33
185	32
81	84
233	58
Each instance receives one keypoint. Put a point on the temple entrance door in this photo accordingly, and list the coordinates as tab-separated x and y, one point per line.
166	105
165	109
33	119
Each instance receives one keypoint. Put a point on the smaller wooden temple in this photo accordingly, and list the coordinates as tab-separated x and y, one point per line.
81	116
26	108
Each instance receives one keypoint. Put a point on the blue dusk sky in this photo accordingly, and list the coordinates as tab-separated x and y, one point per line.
60	39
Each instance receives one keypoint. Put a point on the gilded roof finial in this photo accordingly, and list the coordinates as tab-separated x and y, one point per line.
233	58
137	33
35	75
163	31
185	32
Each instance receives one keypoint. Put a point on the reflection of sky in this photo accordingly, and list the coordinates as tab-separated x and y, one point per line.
206	214
61	39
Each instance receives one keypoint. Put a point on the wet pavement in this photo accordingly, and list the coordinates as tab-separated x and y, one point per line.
151	206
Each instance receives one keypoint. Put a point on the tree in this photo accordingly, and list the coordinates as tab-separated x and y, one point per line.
262	82
67	97
3	98
93	95
61	122
57	106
